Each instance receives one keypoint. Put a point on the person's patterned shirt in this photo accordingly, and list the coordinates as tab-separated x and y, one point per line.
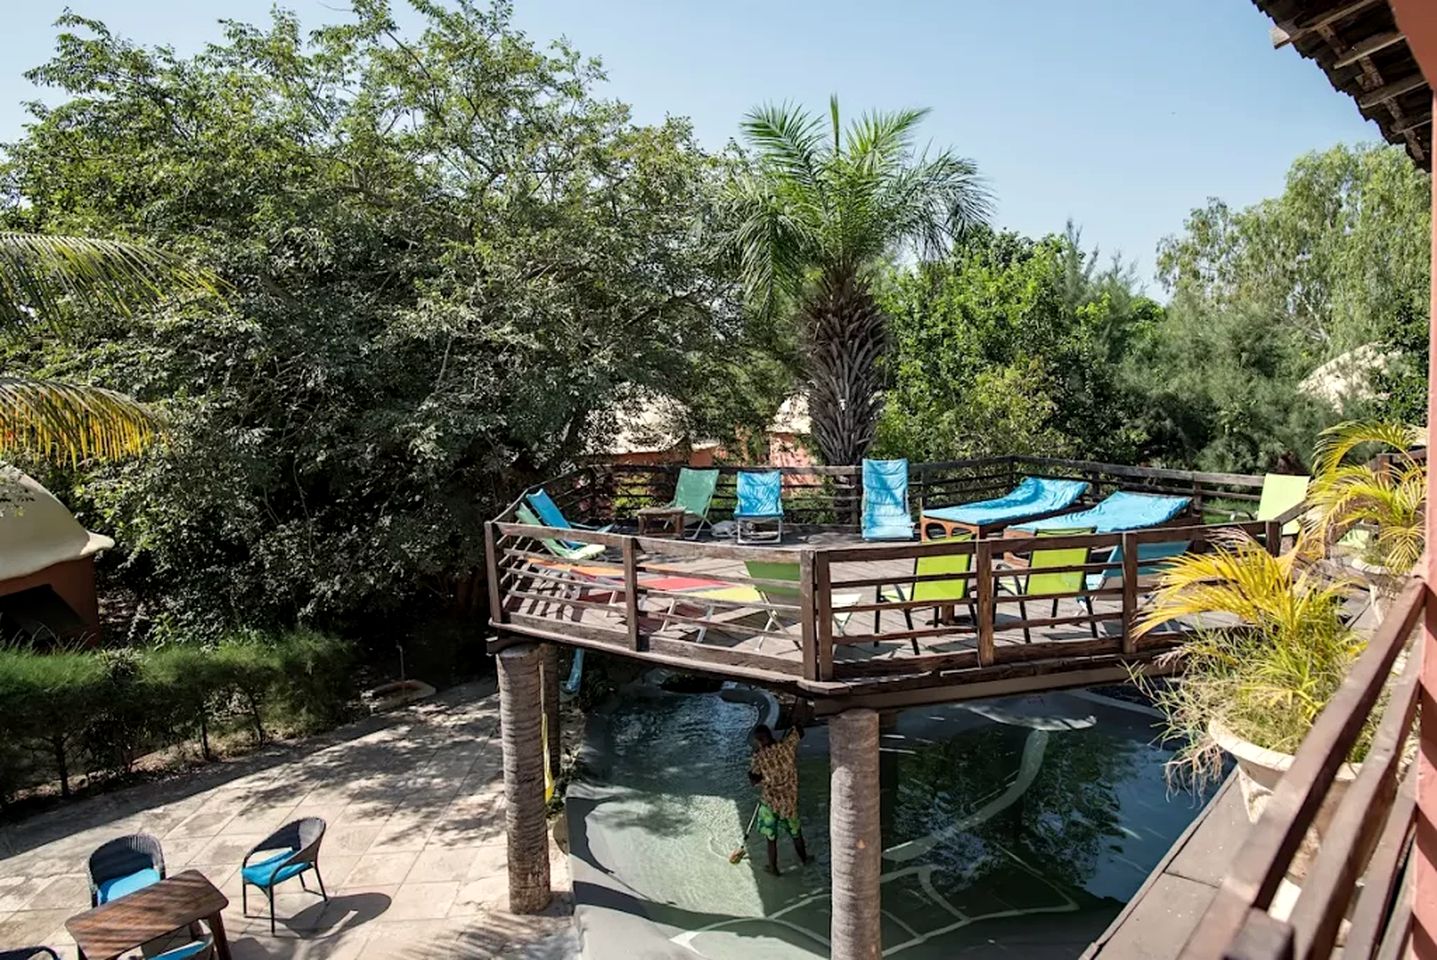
777	764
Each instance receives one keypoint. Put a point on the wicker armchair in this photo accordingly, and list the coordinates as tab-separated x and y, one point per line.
29	953
294	850
123	865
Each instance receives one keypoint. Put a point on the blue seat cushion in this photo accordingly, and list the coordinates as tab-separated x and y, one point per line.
117	887
185	952
888	530
258	873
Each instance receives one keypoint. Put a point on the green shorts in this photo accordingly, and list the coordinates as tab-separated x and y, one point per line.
769	822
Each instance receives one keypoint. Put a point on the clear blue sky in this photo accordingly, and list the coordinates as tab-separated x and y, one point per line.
1121	114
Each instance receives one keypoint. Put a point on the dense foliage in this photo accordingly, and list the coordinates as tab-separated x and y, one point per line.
449	263
87	713
447	258
1012	346
1024	346
1263	296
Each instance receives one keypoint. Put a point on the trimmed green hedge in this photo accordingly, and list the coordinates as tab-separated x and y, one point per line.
68	713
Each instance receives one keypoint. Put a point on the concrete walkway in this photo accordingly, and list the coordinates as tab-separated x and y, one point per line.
414	856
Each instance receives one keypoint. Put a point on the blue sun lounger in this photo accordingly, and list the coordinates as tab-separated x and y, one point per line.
1034	497
1121	511
1124	511
885	500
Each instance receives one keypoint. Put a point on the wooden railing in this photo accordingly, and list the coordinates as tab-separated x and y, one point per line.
1369	837
633	596
823	496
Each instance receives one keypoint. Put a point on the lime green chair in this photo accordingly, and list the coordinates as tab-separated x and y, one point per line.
1037	581
943	593
1280	493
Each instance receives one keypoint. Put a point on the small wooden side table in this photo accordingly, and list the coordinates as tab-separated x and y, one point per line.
661	522
122	925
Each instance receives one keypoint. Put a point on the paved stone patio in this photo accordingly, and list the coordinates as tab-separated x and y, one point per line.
413	858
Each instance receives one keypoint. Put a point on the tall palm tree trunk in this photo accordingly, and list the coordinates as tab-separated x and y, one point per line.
846	334
525	820
855	836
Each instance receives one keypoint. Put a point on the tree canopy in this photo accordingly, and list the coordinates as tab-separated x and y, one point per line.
449	262
447	255
818	212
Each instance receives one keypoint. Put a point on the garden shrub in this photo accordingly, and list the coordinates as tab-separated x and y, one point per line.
95	713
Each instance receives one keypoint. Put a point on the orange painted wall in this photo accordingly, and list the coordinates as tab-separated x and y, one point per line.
74	582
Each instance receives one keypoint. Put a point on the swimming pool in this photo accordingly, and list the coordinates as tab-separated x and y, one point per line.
1014	827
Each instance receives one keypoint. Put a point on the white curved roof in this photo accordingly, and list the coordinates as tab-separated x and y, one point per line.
36	530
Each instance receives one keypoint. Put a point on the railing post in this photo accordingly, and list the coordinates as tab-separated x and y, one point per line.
631	593
1129	548
497	613
806	614
1272	537
823	600
983	565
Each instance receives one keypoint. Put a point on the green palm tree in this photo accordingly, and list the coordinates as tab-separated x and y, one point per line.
823	206
52	280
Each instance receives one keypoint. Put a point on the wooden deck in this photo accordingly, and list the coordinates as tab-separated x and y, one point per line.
810	613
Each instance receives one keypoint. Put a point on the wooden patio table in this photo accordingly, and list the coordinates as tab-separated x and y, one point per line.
135	919
661	522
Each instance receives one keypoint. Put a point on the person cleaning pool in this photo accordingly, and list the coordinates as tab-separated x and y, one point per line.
774	770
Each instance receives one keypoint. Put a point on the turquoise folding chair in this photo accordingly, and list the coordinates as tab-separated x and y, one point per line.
886	515
759	514
576	553
552	516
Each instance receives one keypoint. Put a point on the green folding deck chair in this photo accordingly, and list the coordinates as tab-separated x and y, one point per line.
767	570
693	494
942	593
1035	581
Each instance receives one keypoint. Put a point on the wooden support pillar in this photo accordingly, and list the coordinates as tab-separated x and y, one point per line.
525	819
854	835
550	698
1417	20
1424	907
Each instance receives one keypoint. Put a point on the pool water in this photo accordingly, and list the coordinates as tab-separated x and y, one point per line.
1014	827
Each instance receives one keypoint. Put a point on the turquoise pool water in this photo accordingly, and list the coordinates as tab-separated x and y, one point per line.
1011	828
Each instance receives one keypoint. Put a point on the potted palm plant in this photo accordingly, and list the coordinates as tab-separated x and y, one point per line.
1370	511
1252	689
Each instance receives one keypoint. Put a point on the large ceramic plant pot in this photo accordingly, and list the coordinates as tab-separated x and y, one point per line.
1259	770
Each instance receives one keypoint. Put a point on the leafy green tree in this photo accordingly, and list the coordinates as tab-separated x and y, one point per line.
1011	346
1264	295
448	258
1306	259
821	210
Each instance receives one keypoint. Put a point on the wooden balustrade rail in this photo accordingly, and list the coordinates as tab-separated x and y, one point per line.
1369	836
632	597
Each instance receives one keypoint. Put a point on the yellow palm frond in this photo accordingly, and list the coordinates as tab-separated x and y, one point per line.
1389	498
1338	442
1241	579
69	422
41	273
